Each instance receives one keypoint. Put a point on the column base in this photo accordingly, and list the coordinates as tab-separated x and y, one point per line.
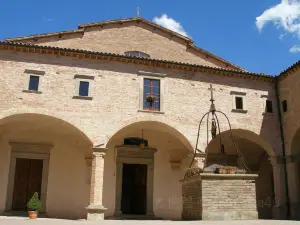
95	212
295	209
280	212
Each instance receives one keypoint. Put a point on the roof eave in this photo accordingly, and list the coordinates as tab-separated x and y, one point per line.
15	46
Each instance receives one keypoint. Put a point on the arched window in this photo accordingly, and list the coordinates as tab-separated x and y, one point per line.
137	54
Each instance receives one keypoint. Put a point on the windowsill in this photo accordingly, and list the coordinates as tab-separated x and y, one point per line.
82	97
268	114
239	110
31	91
150	111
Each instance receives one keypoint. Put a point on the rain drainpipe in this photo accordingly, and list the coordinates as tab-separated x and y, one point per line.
283	147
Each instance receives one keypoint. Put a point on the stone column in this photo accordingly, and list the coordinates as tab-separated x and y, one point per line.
294	187
95	211
280	201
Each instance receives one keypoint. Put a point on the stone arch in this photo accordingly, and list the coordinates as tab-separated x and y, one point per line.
251	136
46	113
160	123
45	136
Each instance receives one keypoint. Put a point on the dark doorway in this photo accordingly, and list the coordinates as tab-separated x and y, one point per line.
134	189
28	179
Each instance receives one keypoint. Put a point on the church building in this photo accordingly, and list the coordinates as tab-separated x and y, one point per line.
102	122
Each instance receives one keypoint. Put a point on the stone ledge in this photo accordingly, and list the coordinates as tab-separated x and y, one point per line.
150	111
221	176
82	97
239	110
31	91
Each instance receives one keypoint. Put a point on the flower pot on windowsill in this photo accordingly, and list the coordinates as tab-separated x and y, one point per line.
150	98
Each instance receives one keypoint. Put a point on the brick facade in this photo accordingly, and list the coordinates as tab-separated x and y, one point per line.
113	110
219	197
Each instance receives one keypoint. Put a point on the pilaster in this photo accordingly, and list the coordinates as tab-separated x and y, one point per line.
294	186
280	206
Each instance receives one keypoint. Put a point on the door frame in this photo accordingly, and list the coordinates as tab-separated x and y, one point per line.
134	155
28	151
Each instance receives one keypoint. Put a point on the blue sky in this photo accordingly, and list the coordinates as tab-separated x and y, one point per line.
229	29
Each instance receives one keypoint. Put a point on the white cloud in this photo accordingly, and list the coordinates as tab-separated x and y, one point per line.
285	15
295	49
170	23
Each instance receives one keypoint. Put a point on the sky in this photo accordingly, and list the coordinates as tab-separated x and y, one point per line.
260	36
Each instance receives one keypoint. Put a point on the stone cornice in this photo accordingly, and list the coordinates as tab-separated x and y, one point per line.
82	54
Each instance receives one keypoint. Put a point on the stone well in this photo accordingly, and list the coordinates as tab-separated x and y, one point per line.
210	196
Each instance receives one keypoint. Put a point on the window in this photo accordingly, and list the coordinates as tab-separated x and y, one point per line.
269	106
284	105
84	88
239	103
34	83
151	97
137	54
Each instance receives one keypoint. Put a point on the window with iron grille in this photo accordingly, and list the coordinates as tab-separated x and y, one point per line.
151	94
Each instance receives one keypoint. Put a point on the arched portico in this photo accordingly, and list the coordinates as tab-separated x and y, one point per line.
166	125
260	158
165	160
47	155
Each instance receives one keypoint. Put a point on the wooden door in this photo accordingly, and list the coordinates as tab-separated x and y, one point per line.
134	189
28	179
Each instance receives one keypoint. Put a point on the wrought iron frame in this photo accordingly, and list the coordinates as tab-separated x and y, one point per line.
215	127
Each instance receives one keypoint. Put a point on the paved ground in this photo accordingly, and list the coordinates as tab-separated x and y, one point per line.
41	221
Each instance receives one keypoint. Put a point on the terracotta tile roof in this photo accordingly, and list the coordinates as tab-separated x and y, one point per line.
35	36
31	48
134	19
82	27
290	70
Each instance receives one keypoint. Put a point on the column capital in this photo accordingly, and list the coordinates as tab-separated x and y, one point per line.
276	160
293	158
99	151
